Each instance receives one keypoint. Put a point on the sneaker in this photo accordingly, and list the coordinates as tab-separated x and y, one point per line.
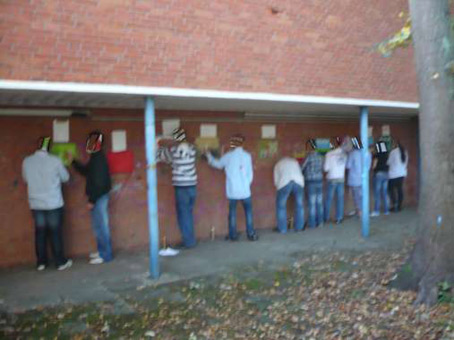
387	213
277	230
253	237
94	255
352	213
97	260
375	214
67	265
339	221
41	267
169	252
233	239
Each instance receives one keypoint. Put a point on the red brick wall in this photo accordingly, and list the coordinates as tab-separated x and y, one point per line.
128	205
307	47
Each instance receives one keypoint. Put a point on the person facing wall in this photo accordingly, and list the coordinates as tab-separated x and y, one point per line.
380	179
334	166
44	174
288	179
355	169
98	185
397	162
182	157
312	169
237	165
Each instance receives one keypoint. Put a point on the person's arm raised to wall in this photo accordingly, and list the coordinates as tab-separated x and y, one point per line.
216	163
62	172
80	167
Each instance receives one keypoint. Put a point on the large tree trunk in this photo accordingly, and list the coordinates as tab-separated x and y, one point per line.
432	260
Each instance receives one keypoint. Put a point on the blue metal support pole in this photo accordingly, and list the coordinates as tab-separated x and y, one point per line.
152	188
364	124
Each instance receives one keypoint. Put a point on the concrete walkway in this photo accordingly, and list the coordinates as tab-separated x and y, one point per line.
24	288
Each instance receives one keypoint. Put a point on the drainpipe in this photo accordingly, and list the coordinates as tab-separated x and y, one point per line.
152	188
365	219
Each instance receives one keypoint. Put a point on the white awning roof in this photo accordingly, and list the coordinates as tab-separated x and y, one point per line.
80	95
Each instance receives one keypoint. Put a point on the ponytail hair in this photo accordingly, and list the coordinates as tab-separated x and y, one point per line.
403	153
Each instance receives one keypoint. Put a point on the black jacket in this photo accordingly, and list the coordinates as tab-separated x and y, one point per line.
97	174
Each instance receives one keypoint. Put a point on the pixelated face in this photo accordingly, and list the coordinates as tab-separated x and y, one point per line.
94	143
44	143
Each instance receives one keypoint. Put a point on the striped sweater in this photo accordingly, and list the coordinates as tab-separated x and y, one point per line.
182	157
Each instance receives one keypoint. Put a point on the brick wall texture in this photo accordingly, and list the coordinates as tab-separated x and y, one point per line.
309	47
128	205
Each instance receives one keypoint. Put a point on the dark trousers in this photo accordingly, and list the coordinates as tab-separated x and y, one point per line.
48	223
396	193
247	205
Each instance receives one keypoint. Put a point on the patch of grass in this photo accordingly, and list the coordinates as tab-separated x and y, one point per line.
282	275
445	292
407	269
254	284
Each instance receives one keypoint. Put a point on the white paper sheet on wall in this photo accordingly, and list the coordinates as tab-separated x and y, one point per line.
370	131
119	141
268	131
385	130
208	130
169	125
61	131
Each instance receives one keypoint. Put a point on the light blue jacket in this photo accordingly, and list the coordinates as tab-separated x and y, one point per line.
237	165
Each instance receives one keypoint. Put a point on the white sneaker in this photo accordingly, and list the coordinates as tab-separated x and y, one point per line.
94	255
67	265
169	252
41	267
352	213
97	260
374	214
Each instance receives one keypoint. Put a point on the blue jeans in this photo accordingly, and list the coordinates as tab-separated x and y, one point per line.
338	188
48	223
281	206
185	200
357	194
247	205
381	191
100	225
315	194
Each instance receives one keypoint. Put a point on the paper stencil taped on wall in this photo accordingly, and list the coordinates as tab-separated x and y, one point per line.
119	143
121	162
208	130
168	126
60	131
268	131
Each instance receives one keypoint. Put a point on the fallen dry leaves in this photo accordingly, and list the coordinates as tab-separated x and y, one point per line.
318	296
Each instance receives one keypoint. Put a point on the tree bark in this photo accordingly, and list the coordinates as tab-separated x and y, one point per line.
432	260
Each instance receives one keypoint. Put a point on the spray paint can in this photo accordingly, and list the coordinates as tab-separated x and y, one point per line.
212	233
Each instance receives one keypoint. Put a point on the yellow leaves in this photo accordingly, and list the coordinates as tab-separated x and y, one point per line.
401	38
335	296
